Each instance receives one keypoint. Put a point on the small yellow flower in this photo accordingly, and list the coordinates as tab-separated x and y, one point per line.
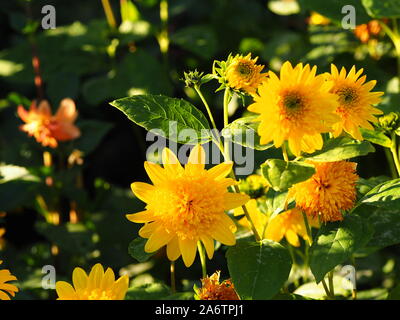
289	224
98	285
260	220
212	289
242	73
331	190
297	107
318	19
186	205
355	101
5	287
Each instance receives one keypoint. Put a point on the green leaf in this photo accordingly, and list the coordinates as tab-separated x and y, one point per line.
377	137
169	116
386	194
199	39
136	250
336	242
151	291
74	238
341	148
17	193
275	201
382	8
394	294
258	270
386	224
333	9
92	133
281	175
243	131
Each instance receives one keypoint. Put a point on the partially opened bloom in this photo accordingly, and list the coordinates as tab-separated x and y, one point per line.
49	129
289	224
212	289
297	106
355	101
186	205
7	289
366	31
329	192
259	219
98	285
242	73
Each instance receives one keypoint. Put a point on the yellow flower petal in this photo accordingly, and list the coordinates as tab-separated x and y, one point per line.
79	279
188	249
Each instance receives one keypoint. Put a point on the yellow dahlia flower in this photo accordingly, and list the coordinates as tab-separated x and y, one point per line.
331	190
186	205
355	101
6	289
98	285
242	73
297	107
212	289
289	224
260	220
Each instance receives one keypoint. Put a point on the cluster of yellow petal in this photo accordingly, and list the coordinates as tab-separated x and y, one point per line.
329	192
299	105
289	224
244	74
212	289
7	289
186	205
355	101
98	285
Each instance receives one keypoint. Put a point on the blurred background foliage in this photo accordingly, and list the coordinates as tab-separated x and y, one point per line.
145	48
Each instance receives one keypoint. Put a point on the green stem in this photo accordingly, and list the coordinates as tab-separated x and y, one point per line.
202	254
284	153
109	14
328	293
308	229
331	286
223	149
393	149
390	161
210	116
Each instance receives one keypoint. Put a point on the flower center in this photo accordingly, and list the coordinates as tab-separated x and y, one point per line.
292	101
347	95
244	69
97	294
189	206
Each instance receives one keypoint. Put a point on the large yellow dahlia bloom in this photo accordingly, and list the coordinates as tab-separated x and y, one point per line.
329	192
186	205
7	289
297	106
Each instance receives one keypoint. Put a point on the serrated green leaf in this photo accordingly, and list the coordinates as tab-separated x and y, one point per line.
336	242
341	148
243	131
386	194
169	116
136	250
258	270
281	175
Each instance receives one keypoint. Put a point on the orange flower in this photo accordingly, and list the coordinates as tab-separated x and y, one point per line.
49	129
329	192
365	31
212	289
